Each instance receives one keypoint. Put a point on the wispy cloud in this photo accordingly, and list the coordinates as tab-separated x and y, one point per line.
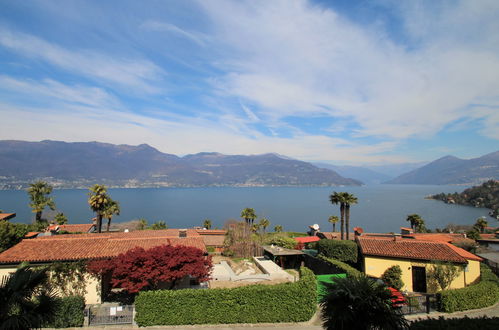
152	25
138	74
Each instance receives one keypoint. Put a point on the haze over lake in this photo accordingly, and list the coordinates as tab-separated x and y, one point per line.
381	208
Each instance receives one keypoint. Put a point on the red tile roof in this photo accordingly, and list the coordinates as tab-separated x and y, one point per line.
94	246
7	216
74	228
465	254
211	231
412	249
436	237
213	240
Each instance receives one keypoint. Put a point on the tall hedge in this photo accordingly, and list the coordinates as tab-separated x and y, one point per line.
286	302
346	251
343	267
69	312
483	294
464	323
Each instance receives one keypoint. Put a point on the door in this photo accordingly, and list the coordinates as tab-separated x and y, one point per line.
418	279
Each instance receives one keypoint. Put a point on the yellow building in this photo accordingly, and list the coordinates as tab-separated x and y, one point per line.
416	259
44	250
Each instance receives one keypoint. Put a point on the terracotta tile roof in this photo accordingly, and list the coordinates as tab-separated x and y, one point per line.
94	246
410	249
74	228
31	234
213	240
211	231
7	216
436	237
465	254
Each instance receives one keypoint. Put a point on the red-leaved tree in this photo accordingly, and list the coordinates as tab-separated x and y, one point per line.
140	269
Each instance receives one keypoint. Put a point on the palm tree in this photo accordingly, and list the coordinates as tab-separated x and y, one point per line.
249	215
255	227
112	208
348	199
416	221
98	201
25	303
351	297
264	223
61	219
38	194
207	224
158	225
278	228
142	224
333	219
337	198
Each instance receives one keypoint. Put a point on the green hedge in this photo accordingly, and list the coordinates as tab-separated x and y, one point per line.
456	323
483	294
286	302
346	251
345	268
69	312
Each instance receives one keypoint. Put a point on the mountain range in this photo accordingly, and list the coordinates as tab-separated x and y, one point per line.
453	170
81	164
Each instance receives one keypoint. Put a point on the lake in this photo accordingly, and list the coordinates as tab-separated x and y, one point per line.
381	208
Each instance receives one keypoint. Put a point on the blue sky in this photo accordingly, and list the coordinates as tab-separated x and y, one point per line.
343	82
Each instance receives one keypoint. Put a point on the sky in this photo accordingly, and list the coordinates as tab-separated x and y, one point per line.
339	82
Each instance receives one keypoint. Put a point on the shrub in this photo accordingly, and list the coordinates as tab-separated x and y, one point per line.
345	251
69	312
483	294
286	302
393	277
282	241
343	267
456	323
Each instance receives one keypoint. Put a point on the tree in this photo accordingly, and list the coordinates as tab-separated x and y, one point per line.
140	269
337	198
255	227
207	224
111	208
61	219
11	234
39	195
278	228
359	303
481	224
442	274
348	199
142	224
264	223
333	219
473	234
249	215
158	225
393	277
417	223
98	201
25	301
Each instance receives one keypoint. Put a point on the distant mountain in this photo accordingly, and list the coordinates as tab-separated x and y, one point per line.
394	170
83	163
362	174
453	170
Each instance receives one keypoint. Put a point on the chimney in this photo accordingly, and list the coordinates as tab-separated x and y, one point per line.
182	233
358	231
396	237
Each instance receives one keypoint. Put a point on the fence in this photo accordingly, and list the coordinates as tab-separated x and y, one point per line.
108	315
420	303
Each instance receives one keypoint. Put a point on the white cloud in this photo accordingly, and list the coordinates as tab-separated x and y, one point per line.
293	58
134	74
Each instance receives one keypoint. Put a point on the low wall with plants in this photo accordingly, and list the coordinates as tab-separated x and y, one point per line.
480	295
456	323
286	302
69	312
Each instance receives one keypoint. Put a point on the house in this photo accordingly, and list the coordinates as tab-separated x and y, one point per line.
416	259
74	247
213	238
72	229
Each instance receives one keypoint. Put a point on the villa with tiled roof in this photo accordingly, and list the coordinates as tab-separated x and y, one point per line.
416	258
75	247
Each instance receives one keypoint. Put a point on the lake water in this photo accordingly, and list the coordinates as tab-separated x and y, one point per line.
381	208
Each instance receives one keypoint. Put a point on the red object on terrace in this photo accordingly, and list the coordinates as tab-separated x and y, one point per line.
307	239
